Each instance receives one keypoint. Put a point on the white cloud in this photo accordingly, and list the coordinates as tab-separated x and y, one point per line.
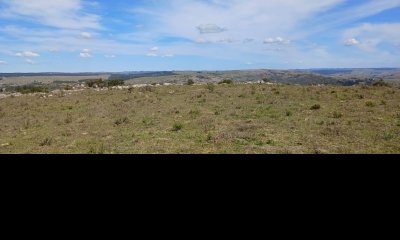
210	28
85	53
351	42
30	61
109	56
85	35
153	52
373	35
55	13
3	62
168	55
277	40
27	54
251	18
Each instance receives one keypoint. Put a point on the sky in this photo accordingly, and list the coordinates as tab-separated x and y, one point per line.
160	35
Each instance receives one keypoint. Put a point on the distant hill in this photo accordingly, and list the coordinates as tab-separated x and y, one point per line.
389	74
341	77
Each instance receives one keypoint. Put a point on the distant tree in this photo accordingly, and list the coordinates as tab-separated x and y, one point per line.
190	82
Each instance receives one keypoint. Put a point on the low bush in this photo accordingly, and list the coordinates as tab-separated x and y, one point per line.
68	88
177	127
337	114
381	83
315	107
93	83
32	89
190	82
120	121
226	81
115	82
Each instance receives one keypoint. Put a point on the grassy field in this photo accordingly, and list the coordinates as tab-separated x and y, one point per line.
205	119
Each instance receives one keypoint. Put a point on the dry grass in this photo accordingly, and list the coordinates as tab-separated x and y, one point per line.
194	119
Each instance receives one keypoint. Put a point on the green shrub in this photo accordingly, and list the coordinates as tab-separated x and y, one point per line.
68	88
190	82
92	83
120	121
337	114
381	83
226	81
147	121
177	127
115	82
32	89
315	107
388	136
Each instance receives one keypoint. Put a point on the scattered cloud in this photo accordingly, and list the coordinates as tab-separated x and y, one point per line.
30	61
210	28
267	33
277	40
351	42
3	62
85	35
66	14
85	53
153	52
27	54
373	35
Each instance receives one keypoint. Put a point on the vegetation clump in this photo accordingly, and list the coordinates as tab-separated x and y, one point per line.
315	107
190	82
226	81
177	127
93	83
100	83
381	83
32	89
115	82
120	121
337	114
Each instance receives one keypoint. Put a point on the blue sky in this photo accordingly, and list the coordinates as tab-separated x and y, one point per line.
143	35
